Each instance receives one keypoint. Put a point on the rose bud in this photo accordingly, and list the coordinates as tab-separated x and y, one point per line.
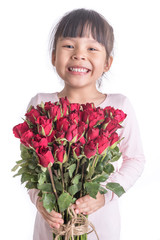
113	138
48	105
64	105
75	107
39	141
119	115
103	143
90	149
32	115
44	125
62	124
51	137
92	133
55	112
59	153
74	117
72	133
45	156
19	129
26	138
112	126
76	149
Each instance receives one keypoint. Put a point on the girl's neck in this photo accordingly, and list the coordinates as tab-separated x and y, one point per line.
82	96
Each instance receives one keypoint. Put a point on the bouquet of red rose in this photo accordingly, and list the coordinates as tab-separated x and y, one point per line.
67	152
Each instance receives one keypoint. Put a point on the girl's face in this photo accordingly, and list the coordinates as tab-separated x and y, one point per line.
80	61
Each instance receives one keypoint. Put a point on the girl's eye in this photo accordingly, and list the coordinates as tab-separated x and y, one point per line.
68	46
92	49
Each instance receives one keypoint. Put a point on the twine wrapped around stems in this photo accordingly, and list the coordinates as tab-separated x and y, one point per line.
78	225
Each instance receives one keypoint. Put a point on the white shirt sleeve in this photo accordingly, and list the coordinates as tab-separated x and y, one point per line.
132	152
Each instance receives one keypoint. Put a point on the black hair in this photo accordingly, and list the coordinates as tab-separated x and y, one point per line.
75	24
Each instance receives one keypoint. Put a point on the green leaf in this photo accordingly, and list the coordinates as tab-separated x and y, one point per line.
71	169
49	201
115	158
64	201
116	188
46	187
32	165
25	177
109	168
75	180
92	188
31	185
58	185
75	188
20	171
41	178
25	153
102	190
101	178
15	167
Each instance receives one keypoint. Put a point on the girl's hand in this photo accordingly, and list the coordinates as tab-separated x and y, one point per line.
53	218
88	205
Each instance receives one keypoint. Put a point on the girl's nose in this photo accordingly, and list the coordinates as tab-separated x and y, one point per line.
78	55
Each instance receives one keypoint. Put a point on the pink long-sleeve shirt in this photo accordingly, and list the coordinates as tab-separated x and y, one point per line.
107	219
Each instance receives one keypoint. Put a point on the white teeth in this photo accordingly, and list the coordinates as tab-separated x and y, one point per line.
83	70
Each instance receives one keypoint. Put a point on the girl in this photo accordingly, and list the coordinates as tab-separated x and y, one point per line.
81	48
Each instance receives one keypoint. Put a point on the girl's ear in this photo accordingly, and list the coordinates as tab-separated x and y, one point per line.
53	58
108	64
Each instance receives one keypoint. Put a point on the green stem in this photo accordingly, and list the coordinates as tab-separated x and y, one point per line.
61	168
95	161
77	167
69	148
52	181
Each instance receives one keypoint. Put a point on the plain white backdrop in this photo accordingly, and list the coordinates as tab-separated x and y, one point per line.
25	70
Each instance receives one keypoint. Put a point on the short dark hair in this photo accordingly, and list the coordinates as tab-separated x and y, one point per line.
75	24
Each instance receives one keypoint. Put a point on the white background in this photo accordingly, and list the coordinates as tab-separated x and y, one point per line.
25	69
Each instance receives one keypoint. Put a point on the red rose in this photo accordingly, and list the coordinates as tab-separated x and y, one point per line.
109	111
32	115
119	115
92	133
76	148
26	138
59	135
92	117
75	107
59	152
111	125
51	137
103	143
104	133
48	105
19	129
45	156
62	124
65	105
74	117
54	112
88	106
44	125
72	133
90	149
39	141
113	138
81	130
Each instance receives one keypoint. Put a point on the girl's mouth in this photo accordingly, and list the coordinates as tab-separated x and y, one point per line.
78	70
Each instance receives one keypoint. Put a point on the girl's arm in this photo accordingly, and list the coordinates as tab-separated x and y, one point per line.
132	165
132	152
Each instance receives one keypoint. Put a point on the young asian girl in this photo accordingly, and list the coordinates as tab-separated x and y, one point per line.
81	48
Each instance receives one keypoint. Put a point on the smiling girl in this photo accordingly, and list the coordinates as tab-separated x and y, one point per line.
81	49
